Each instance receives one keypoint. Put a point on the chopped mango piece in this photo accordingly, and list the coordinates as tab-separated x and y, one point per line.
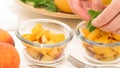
44	39
117	50
50	42
116	37
29	37
103	39
94	34
38	27
110	58
44	51
100	57
85	32
53	53
102	50
58	37
90	48
47	58
35	54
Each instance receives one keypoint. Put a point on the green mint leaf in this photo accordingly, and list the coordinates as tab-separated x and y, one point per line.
51	6
93	15
91	12
47	4
26	1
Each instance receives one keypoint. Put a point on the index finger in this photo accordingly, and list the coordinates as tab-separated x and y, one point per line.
97	5
76	6
108	14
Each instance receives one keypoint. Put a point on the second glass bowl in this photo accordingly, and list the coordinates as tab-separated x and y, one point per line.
97	51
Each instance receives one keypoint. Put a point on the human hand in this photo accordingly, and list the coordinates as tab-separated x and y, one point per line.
81	7
109	19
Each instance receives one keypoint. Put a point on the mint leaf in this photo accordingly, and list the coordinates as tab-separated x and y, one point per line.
93	15
26	1
51	6
47	4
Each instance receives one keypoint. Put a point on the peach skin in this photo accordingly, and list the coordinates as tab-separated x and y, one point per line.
6	37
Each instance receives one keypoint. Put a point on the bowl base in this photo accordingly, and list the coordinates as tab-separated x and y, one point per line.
35	61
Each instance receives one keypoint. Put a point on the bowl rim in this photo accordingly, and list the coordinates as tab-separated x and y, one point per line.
68	39
81	37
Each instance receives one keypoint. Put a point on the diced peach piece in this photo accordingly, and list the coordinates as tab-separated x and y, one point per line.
99	57
85	32
117	50
116	37
110	58
101	50
29	37
103	39
53	53
44	51
94	34
34	53
58	37
47	58
38	27
50	42
44	39
90	48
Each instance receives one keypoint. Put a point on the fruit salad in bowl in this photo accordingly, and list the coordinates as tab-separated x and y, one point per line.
44	40
99	46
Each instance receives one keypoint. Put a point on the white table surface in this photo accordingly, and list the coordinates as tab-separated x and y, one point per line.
26	14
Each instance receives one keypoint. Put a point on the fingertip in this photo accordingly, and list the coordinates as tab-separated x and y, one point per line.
94	23
117	32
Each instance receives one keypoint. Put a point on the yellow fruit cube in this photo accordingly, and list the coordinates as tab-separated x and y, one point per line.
117	50
50	42
44	51
29	37
57	37
90	48
116	37
38	27
44	39
99	57
110	58
103	39
47	58
53	53
34	53
94	34
102	50
85	32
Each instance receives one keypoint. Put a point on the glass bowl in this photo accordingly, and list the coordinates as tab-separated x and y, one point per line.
42	53
98	52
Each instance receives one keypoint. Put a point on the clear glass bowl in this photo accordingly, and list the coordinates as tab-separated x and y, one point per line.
44	53
96	51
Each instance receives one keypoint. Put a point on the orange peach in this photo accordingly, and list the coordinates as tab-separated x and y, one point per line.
6	37
9	57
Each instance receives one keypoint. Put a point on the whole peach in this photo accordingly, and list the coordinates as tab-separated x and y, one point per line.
6	37
9	56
